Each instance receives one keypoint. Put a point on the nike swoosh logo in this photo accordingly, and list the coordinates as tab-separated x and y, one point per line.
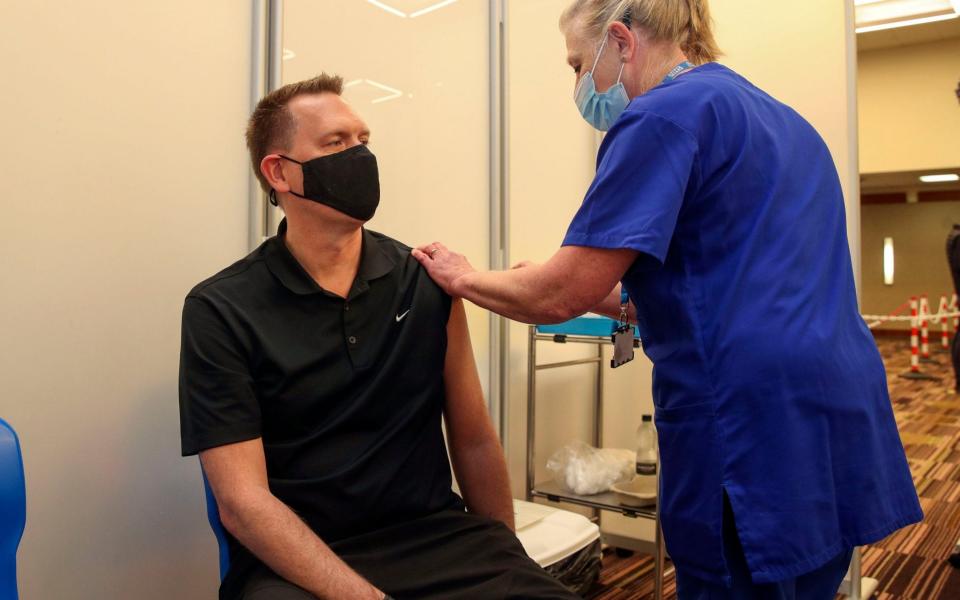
401	317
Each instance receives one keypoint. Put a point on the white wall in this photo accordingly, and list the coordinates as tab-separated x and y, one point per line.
804	55
919	230
125	183
909	119
550	164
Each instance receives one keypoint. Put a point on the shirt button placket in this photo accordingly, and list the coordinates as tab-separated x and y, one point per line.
351	339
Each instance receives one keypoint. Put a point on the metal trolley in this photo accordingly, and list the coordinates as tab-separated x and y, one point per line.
596	331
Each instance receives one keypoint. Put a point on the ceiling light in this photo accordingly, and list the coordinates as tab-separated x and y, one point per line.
388	8
418	13
878	15
944	178
431	8
392	93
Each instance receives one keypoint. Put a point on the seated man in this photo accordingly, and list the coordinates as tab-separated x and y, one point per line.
314	376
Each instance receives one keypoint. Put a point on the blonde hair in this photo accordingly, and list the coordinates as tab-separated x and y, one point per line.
686	22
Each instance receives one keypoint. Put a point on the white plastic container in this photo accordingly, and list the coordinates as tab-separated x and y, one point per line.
641	491
549	534
565	544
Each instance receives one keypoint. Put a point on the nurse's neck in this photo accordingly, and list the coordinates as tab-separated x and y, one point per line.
650	64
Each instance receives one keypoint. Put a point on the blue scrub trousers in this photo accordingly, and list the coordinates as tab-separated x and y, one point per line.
821	584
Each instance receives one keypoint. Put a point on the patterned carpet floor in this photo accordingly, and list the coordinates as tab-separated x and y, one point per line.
912	563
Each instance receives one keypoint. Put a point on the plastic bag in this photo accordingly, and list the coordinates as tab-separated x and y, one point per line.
580	570
582	469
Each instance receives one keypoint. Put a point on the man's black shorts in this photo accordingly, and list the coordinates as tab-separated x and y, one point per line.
449	555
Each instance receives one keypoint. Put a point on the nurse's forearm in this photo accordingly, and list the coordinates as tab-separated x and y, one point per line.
526	295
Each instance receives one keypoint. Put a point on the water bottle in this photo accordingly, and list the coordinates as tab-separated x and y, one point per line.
647	448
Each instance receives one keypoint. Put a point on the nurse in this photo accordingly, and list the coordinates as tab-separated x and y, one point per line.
720	211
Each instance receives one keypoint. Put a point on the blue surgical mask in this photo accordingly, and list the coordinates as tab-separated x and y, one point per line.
600	110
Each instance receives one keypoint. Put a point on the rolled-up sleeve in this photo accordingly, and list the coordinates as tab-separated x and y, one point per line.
645	166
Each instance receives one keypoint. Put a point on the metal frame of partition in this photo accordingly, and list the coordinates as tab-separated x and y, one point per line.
499	209
257	205
266	74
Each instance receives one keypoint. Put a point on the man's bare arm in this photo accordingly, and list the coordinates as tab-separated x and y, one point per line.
268	528
475	451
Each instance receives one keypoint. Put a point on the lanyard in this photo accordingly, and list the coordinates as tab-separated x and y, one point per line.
677	71
624	304
622	337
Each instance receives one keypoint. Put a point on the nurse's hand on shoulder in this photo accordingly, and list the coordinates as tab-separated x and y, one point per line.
443	265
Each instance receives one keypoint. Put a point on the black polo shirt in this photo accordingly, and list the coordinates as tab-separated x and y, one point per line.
347	394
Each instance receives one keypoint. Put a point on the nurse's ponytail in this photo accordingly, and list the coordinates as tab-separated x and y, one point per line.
700	46
686	22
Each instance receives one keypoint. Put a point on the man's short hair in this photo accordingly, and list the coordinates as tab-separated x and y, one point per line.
272	124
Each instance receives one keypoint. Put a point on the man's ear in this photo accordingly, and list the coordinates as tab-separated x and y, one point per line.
271	169
624	40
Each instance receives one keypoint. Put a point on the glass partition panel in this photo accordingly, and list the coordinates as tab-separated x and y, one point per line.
418	72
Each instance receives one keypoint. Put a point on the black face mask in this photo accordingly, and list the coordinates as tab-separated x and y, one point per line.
347	181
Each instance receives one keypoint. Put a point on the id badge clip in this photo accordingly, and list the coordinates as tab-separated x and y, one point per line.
622	336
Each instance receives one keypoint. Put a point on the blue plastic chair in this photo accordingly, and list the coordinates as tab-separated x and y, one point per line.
213	515
13	509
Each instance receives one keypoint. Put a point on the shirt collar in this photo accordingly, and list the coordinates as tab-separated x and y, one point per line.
375	262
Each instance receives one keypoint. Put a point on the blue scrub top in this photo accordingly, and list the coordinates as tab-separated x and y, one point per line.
768	385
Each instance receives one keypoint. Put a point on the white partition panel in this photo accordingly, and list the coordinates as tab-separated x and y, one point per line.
125	179
552	154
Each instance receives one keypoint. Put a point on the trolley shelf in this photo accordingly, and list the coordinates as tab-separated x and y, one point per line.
552	491
595	331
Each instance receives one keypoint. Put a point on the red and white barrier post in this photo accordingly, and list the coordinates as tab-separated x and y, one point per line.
956	320
925	329
914	338
914	372
943	309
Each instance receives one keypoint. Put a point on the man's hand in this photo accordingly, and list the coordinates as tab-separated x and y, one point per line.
444	266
